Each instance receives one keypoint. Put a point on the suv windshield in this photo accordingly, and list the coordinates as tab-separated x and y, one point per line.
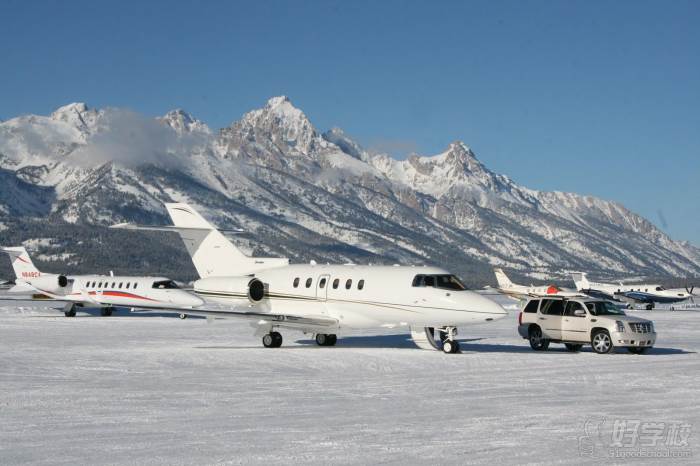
445	282
604	308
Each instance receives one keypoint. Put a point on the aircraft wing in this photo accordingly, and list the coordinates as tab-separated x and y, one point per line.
285	320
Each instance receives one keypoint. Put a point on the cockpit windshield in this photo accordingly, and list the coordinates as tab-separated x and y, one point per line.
660	288
604	308
165	285
444	282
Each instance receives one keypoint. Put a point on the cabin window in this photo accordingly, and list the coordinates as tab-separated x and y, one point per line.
361	284
120	285
114	284
165	285
348	284
336	282
100	286
322	283
308	282
128	284
296	282
135	285
444	282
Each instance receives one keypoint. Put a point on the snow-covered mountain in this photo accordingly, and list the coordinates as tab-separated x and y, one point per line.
311	195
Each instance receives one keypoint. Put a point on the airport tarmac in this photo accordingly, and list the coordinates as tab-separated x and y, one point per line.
151	389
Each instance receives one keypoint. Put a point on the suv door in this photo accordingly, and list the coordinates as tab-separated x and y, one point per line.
551	311
575	327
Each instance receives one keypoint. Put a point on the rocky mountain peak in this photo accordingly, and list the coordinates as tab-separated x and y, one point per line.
75	114
182	122
279	125
338	137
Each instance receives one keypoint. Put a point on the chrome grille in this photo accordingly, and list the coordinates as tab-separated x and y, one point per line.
640	327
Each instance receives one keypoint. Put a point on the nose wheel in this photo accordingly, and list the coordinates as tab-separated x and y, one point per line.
449	344
272	340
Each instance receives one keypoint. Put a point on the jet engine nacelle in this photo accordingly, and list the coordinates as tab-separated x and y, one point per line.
54	284
250	288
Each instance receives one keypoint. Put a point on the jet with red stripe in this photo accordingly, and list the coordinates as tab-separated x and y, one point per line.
103	291
515	291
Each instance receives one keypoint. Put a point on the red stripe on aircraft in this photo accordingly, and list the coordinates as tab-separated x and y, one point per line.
122	294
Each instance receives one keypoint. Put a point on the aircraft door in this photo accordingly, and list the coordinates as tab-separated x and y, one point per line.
322	285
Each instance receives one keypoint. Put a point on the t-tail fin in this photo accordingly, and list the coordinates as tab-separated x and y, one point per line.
212	253
581	281
22	264
502	278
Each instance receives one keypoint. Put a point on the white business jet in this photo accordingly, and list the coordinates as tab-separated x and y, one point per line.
324	300
515	291
647	294
105	292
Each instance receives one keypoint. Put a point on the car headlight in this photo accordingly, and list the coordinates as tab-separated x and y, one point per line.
620	326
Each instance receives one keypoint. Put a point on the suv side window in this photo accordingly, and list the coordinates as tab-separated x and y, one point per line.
571	307
531	307
552	307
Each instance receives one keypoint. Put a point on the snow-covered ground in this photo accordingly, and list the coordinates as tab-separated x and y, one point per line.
144	389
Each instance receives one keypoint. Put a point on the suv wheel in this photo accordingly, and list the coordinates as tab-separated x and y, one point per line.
573	347
537	341
601	342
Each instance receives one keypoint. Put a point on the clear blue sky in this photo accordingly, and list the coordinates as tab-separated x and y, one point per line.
594	97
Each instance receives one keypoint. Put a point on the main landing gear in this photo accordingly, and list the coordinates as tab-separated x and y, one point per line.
106	311
183	316
69	310
449	344
272	340
326	339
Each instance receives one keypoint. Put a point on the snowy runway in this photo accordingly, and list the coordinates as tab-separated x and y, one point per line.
145	389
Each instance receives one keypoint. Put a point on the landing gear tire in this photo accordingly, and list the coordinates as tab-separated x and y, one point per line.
537	341
601	342
183	316
637	350
326	339
649	307
574	348
106	312
450	347
70	313
272	340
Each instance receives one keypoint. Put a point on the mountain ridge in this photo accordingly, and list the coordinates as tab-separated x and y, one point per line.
319	195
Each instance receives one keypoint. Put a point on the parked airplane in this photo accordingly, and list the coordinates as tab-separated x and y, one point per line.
101	291
640	293
507	287
324	299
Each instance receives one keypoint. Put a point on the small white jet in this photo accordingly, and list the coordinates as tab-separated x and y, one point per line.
507	287
324	300
632	293
105	292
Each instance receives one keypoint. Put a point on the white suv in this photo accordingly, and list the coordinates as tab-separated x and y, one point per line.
579	321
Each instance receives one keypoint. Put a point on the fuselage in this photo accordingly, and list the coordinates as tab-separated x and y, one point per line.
522	291
640	292
359	296
118	291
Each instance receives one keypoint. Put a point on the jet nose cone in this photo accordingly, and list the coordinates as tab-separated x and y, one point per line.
191	300
491	307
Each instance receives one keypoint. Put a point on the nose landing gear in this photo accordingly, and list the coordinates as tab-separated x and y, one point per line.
449	344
